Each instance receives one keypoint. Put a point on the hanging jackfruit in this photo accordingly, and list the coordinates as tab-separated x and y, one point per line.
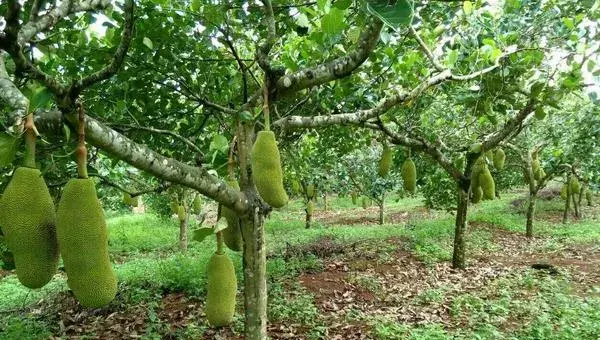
310	207
475	171
127	199
499	158
310	191
563	191
28	222
385	163
540	113
181	214
487	185
232	235
83	242
174	207
295	187
354	197
197	205
489	155
477	195
221	289
535	167
588	197
266	168
409	175
574	185
475	148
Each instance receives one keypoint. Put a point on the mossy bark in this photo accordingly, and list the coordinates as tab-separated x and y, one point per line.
567	203
458	255
308	219
382	210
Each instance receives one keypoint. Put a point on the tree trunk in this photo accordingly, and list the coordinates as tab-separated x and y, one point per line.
458	256
308	219
183	233
530	214
381	212
255	284
325	202
575	205
567	202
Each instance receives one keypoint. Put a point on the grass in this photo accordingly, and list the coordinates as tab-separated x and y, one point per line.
148	264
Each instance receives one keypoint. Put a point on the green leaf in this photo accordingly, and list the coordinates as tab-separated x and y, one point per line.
467	7
8	148
333	22
246	116
394	15
148	43
196	5
200	234
536	89
342	4
219	143
39	98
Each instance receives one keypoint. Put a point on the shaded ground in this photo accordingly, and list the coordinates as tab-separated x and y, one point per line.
370	215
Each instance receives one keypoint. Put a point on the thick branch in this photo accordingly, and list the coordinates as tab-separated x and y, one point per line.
13	97
146	159
165	132
511	125
426	50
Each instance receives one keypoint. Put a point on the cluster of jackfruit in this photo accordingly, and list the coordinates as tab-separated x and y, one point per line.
482	182
232	235
538	171
266	168
28	223
221	290
564	191
181	213
310	191
385	163
83	242
574	185
499	158
197	205
409	175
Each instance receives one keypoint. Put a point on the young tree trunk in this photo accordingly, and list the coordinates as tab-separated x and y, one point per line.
325	202
575	205
308	219
530	214
458	256
183	233
567	202
381	215
255	284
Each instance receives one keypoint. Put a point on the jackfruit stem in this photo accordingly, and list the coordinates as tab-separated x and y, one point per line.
30	138
220	242
266	107
81	151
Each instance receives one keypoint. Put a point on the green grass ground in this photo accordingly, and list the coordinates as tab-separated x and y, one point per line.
394	281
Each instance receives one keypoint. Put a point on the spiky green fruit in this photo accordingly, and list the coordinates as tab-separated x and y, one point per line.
540	113
295	187
266	168
221	290
83	242
385	163
134	201
535	167
477	195
499	158
475	171
489	155
475	148
588	197
354	197
28	222
310	191
409	175
563	191
174	207
126	199
232	235
574	185
310	207
487	185
181	213
540	174
197	205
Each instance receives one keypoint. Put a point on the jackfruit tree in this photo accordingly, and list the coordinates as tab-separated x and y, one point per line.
166	97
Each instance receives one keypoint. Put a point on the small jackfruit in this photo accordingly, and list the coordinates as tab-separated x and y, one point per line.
487	185
540	113
310	207
221	290
477	195
499	158
385	163
574	185
232	235
7	258
540	174
197	205
489	155
535	167
28	222
266	168
563	191
134	201
354	197
475	148
126	198
295	187
310	191
588	197
409	175
83	242
181	215
174	207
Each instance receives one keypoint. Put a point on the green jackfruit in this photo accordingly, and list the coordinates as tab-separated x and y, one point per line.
83	242
126	199
574	185
266	168
535	167
181	213
385	163
221	289
477	195
588	197
486	183
489	155
134	201
354	197
563	191
475	148
295	187
28	222
409	175
540	174
174	207
310	207
499	158
540	113
310	191
365	202
232	235
197	205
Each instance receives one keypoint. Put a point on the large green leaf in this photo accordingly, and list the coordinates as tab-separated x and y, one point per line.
333	22
394	14
8	148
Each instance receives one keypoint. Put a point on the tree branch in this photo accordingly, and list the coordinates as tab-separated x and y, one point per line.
166	132
13	97
426	50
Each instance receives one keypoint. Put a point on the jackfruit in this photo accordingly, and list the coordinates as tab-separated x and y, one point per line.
181	213
28	222
221	290
541	174
477	195
310	191
540	113
385	163
232	235
563	192
475	148
126	199
295	187
535	167
574	185
409	175
489	155
588	197
197	205
487	185
83	242
354	197
266	168
174	207
499	158
310	207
